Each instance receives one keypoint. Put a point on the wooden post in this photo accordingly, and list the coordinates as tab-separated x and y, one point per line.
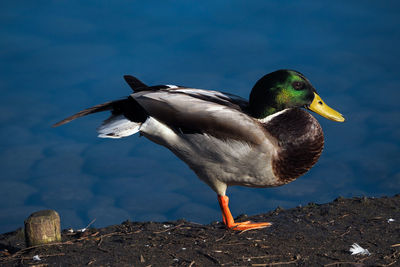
42	227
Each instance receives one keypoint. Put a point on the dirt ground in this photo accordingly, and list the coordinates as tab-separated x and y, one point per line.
314	235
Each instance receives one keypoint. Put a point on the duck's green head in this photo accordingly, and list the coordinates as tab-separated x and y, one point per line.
287	89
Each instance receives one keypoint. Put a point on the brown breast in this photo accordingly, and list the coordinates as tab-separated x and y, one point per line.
300	139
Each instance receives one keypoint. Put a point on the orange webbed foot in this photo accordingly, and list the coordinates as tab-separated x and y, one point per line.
248	225
230	222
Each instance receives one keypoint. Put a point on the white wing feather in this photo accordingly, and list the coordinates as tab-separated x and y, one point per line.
117	127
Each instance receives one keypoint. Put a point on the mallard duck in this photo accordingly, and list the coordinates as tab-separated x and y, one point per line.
226	140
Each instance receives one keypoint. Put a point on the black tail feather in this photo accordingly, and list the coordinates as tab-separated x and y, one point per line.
128	107
135	83
98	108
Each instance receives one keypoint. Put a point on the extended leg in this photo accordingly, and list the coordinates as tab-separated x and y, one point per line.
231	224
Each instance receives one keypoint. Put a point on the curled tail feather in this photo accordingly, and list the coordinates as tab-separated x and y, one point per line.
98	108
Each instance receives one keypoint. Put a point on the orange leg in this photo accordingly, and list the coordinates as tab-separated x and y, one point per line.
231	224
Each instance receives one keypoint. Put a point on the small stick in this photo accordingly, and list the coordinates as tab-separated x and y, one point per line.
340	262
169	229
262	257
209	257
37	246
274	263
44	256
84	229
219	239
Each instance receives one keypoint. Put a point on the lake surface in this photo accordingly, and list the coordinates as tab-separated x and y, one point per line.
58	57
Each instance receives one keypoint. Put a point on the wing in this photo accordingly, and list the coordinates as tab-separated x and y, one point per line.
221	115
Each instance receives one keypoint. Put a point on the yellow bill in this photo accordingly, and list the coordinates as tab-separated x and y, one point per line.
318	106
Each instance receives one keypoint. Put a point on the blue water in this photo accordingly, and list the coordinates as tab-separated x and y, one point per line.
58	57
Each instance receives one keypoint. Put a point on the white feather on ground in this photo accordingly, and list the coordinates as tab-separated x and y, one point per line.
36	258
356	249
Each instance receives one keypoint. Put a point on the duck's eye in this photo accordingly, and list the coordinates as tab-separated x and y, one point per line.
298	85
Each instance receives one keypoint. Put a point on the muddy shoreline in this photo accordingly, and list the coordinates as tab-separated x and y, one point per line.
313	235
